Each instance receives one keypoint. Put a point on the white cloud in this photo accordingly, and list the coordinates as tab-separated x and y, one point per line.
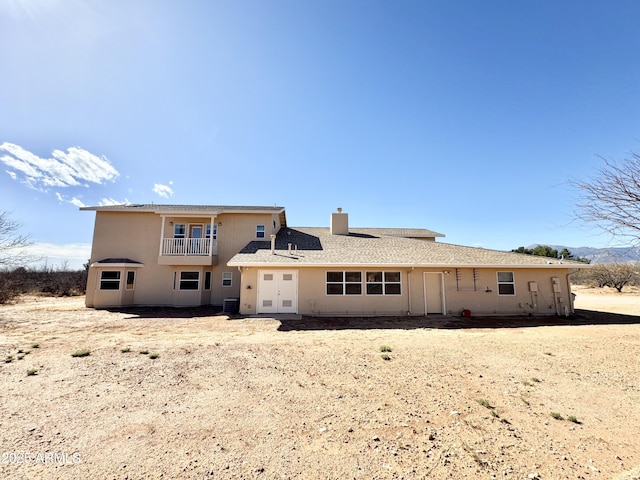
163	190
74	255
72	168
77	202
73	201
105	202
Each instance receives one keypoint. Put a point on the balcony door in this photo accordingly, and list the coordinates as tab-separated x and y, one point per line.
195	231
196	243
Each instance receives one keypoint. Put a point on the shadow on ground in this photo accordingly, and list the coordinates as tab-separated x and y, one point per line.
168	312
581	317
294	323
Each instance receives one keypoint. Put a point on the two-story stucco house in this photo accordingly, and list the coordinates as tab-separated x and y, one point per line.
200	255
172	254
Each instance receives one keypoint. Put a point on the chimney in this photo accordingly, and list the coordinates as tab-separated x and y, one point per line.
273	243
339	223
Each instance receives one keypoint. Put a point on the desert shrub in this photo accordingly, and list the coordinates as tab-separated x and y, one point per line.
60	282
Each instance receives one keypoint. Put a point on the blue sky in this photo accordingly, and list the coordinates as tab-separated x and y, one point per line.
463	117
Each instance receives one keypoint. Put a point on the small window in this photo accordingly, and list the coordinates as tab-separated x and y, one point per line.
208	231
227	277
506	283
207	280
131	279
384	283
189	280
179	230
110	280
260	231
344	283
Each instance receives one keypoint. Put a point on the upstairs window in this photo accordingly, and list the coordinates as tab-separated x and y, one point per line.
208	231
260	231
506	283
179	230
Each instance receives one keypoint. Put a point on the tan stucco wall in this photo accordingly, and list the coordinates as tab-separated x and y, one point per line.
137	236
312	299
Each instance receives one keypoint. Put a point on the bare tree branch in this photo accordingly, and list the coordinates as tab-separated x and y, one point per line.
611	199
12	243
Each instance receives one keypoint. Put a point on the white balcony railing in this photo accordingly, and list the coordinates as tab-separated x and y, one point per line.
189	246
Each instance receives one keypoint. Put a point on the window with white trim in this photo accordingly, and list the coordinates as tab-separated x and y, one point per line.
384	283
180	230
189	281
260	231
344	283
208	231
131	280
227	278
110	280
506	283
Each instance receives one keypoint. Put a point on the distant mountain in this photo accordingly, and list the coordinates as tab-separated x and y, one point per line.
603	255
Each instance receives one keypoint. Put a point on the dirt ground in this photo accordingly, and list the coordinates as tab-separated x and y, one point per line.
219	397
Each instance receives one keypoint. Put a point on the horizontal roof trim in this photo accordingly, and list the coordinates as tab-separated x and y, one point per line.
184	209
342	266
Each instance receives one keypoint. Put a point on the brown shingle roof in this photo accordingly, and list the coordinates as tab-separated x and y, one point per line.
368	247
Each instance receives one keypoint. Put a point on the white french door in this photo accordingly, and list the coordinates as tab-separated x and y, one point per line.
278	291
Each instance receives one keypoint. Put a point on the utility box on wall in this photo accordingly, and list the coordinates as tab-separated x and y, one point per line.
533	286
555	281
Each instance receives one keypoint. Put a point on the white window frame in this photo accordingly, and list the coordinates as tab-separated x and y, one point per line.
180	232
261	231
130	285
344	283
372	279
208	230
110	281
503	282
227	279
188	281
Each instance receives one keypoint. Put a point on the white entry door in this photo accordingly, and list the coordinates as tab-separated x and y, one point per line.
433	293
278	291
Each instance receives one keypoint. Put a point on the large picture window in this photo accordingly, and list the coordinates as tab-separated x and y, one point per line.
344	283
506	283
384	283
110	280
189	281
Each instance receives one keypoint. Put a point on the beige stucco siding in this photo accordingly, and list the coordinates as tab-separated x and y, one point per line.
484	299
137	236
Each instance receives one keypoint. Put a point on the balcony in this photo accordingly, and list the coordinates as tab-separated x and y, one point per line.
188	251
